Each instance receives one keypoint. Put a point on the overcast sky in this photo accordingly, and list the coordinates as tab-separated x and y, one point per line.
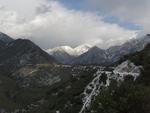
51	23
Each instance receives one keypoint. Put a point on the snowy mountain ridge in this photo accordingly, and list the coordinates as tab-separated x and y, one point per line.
65	54
98	56
69	50
79	50
66	49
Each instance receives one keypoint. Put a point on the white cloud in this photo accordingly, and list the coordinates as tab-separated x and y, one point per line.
55	25
136	11
24	8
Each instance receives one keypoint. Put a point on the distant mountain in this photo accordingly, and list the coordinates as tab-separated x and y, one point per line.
82	49
107	57
132	46
65	54
22	52
94	56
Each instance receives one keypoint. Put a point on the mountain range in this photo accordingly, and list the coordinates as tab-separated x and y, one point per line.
88	55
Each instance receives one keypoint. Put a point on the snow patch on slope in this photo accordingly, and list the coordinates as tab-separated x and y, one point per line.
127	68
118	74
93	89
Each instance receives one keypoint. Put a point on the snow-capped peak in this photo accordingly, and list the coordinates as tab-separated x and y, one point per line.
82	49
71	51
66	49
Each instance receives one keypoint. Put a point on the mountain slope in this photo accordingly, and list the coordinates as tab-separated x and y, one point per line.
141	58
22	52
44	88
5	38
132	46
131	95
94	56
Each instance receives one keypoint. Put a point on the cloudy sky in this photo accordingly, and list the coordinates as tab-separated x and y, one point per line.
51	23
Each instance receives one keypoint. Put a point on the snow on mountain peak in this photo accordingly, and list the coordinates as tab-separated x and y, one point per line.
69	50
66	49
82	49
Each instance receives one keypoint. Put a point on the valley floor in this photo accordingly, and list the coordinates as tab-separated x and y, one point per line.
57	89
